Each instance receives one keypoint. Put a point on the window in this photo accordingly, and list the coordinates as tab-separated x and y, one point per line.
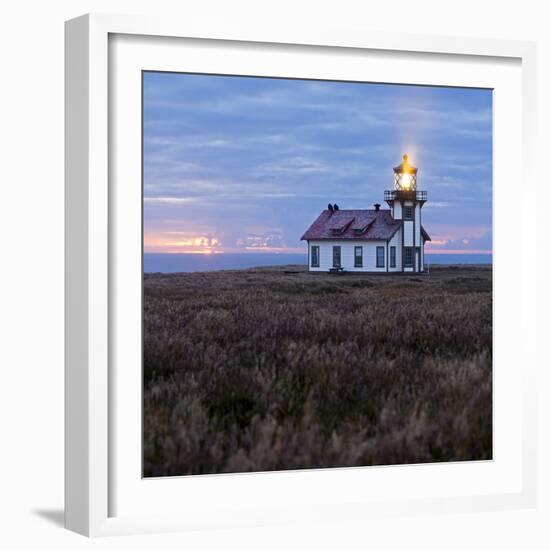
408	212
408	260
379	256
392	256
314	256
336	256
358	256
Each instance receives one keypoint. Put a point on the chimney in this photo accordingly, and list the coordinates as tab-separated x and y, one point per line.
377	207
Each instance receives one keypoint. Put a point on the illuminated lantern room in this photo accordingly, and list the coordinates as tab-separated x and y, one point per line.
405	185
404	178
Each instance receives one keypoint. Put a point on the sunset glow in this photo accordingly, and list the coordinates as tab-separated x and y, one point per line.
429	251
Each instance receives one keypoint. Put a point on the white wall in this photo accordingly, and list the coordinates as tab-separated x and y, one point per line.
397	210
417	225
396	241
347	255
408	232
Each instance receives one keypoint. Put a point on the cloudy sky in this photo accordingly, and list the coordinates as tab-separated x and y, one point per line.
239	164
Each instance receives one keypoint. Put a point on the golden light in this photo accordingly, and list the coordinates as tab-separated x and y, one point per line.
406	181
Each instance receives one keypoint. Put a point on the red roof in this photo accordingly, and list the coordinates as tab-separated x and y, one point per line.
354	224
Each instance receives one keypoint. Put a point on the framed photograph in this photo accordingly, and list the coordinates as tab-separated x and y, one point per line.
297	276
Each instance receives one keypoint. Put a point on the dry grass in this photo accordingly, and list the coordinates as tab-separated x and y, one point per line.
260	369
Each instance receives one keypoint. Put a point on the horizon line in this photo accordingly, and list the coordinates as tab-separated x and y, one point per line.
208	252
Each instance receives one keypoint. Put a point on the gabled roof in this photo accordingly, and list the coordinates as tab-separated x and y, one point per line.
361	225
353	224
424	234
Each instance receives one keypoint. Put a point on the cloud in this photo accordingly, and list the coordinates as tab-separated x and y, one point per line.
460	238
168	200
432	204
294	165
225	153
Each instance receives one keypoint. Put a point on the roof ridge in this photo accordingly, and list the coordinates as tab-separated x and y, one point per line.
358	210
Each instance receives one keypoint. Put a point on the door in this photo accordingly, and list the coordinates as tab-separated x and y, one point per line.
336	256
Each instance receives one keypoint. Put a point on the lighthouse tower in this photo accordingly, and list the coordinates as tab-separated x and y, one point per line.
406	204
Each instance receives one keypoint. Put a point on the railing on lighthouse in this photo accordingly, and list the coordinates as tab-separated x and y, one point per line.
419	196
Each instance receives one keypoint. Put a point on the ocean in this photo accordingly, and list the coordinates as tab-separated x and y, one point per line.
175	263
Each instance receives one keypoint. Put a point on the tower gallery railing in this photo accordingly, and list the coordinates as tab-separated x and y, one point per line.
407	195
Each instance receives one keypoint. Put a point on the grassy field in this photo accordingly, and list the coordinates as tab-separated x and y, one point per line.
275	368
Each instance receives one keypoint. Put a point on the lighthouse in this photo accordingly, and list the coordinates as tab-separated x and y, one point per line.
372	240
406	202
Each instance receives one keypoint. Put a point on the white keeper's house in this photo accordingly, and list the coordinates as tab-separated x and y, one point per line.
374	240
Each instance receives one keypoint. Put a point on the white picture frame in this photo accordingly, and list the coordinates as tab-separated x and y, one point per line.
98	437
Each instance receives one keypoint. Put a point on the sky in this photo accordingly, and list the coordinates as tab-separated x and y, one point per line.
246	164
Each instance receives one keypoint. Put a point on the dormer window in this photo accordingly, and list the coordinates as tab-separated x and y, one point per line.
362	225
341	225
